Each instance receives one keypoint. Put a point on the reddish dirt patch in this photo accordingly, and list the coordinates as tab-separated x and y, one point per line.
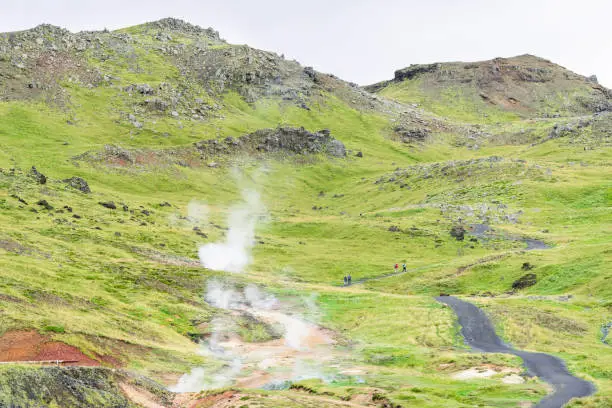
167	379
110	361
33	347
225	399
140	396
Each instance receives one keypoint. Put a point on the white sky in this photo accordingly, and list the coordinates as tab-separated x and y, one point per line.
364	41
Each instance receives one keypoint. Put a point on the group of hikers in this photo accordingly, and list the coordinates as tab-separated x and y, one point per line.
348	278
403	267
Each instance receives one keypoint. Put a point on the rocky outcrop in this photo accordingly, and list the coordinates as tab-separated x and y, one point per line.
183	27
282	139
78	387
336	148
38	176
415	70
79	184
411	134
566	130
143	89
275	143
458	232
525	281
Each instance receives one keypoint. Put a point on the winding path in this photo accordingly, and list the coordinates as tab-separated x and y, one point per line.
481	231
479	334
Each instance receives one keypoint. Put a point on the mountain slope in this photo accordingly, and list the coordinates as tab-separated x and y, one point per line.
526	85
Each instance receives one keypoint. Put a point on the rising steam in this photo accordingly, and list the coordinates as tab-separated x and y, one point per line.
220	347
234	254
304	347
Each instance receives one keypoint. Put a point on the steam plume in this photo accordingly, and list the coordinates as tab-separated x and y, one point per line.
234	254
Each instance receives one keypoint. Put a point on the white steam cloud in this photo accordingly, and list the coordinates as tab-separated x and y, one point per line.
258	298
223	345
222	296
202	378
234	254
296	331
304	348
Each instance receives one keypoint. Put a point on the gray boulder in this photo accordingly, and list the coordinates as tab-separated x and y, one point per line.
79	184
108	204
458	232
144	89
38	176
336	148
525	281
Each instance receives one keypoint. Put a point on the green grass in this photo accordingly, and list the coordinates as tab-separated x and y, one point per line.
116	283
416	351
456	103
556	327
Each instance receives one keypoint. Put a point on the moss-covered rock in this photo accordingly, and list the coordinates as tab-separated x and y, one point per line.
34	387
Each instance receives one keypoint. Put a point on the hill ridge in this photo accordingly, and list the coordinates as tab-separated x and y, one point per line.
525	84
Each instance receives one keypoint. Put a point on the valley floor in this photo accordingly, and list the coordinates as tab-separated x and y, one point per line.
127	158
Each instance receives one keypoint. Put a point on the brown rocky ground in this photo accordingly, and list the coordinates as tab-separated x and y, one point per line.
33	347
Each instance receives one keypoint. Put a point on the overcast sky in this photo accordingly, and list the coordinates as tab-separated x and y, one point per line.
364	41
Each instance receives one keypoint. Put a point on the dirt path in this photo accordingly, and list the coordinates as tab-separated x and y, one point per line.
141	397
392	274
481	231
479	333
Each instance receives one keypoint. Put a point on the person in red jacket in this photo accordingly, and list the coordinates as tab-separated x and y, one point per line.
396	267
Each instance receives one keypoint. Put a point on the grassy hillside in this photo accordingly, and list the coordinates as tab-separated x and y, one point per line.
125	111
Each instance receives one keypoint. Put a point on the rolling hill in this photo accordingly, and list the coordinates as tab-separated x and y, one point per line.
526	86
125	152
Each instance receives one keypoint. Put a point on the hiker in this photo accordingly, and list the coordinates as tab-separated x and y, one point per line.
345	280
396	267
404	267
349	279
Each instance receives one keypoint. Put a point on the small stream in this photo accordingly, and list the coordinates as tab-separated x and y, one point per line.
485	232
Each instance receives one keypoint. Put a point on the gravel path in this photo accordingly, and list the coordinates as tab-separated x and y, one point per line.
479	334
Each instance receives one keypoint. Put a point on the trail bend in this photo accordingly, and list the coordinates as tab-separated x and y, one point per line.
479	334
